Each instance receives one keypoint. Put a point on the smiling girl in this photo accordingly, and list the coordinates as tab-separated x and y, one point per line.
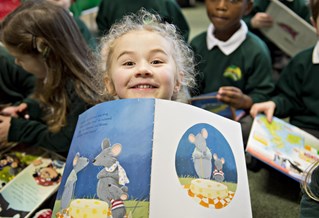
144	57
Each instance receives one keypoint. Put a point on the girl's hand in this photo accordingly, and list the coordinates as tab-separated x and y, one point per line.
267	108
261	20
16	111
234	97
4	128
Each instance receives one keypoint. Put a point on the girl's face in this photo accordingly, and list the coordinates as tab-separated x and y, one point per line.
226	15
32	64
142	66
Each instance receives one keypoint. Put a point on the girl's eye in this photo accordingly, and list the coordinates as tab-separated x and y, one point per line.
128	63
156	62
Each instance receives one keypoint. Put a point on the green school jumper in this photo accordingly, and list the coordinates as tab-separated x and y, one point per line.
310	208
298	91
110	11
300	7
15	83
35	132
247	68
86	33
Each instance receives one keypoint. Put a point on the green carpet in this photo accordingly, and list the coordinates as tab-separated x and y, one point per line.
273	194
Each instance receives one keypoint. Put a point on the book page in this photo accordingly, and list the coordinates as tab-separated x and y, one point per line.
120	165
210	103
283	146
109	162
289	32
31	186
190	180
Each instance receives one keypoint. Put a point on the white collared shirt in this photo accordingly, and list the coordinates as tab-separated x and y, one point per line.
231	44
315	54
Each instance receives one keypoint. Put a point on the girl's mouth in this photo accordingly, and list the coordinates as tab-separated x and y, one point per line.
143	86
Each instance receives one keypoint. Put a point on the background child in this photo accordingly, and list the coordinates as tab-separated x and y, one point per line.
296	91
45	41
88	36
142	56
110	11
297	98
258	19
233	62
15	83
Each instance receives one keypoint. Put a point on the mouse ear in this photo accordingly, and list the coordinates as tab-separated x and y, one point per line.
204	133
215	156
76	158
191	138
105	144
116	149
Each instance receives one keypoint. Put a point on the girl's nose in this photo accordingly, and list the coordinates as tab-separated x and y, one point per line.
143	70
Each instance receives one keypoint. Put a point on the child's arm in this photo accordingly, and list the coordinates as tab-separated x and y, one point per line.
16	111
261	20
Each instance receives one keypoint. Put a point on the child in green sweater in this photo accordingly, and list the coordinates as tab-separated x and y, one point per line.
110	11
298	98
232	61
258	19
45	41
15	83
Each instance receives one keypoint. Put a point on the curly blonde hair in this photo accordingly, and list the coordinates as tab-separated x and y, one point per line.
144	20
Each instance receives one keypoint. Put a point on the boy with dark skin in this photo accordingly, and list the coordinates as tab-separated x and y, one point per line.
234	62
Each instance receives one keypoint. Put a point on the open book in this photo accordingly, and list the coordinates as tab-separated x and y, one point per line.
29	176
283	146
154	158
289	32
211	103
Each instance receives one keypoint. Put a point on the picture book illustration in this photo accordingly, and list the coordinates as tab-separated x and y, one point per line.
113	164
211	103
210	175
283	146
29	175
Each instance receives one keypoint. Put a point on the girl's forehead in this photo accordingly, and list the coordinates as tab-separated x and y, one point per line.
148	38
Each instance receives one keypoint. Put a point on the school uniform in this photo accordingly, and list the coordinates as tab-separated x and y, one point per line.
35	132
243	61
297	88
15	83
86	33
300	7
110	11
309	208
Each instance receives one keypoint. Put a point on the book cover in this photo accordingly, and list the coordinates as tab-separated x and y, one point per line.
289	32
283	146
154	158
211	103
29	175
